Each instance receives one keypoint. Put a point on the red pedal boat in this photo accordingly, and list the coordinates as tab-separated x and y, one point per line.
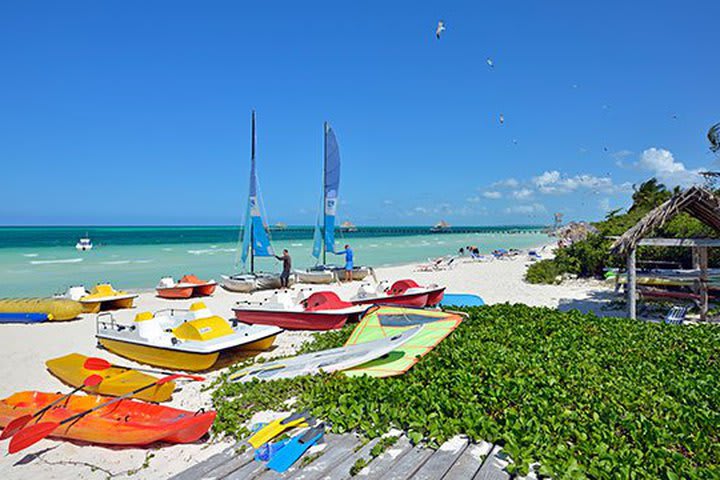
188	286
405	293
320	311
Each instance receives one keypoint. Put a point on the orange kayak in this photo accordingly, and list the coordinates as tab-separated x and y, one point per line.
127	422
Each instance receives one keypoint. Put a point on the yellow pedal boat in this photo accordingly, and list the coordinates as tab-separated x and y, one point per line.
117	381
190	340
102	297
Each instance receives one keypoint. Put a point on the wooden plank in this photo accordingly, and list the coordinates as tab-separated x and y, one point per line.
216	466
493	468
442	459
680	242
384	462
631	284
247	471
341	470
337	447
223	470
408	464
470	461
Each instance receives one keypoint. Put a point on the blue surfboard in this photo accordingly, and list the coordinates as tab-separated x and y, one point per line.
461	300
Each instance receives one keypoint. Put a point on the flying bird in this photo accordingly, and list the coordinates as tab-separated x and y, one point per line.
490	62
502	119
440	28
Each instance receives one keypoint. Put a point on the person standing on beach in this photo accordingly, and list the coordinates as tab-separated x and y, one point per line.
348	262
287	266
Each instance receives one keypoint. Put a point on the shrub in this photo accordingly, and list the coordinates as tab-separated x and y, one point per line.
582	395
544	271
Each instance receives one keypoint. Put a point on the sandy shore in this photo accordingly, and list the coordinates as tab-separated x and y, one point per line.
26	347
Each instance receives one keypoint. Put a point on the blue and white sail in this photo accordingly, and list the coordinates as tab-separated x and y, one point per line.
256	241
331	187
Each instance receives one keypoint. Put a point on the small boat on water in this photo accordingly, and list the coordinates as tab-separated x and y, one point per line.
319	311
102	297
126	422
117	381
441	227
403	292
189	340
84	244
255	241
188	286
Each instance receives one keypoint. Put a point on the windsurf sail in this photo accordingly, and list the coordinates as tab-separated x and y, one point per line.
256	242
317	240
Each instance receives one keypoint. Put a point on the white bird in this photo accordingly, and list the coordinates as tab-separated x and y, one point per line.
490	62
440	28
502	119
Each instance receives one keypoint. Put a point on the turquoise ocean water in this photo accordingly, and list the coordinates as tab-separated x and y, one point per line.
42	261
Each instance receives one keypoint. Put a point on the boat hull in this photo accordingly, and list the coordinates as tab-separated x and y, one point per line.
404	300
435	296
131	422
175	292
293	320
321	277
177	360
90	306
205	290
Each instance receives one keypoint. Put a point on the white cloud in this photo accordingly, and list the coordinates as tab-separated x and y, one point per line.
522	194
662	164
552	182
493	195
387	202
526	209
420	210
473	199
507	183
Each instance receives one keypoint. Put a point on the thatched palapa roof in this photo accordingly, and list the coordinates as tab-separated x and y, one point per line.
696	201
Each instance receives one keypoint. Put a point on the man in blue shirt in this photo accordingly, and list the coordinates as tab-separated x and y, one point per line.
348	262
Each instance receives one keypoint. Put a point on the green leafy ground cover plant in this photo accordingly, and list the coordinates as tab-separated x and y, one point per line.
582	395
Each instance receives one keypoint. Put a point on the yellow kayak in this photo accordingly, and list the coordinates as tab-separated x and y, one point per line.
116	380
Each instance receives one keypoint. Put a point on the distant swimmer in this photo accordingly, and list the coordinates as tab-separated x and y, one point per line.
440	28
287	267
348	262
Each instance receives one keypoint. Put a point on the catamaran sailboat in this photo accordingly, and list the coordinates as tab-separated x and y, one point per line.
255	241
324	236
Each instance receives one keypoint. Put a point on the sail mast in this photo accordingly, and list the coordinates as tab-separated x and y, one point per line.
325	130
252	179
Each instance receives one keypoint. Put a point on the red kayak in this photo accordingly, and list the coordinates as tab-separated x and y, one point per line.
319	311
127	422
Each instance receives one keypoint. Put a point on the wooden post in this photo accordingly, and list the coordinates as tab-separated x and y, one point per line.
695	258
703	258
631	284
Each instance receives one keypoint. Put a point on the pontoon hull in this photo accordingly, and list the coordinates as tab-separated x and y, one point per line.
404	300
293	320
174	359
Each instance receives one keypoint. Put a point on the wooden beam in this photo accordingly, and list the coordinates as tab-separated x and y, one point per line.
703	258
631	285
680	242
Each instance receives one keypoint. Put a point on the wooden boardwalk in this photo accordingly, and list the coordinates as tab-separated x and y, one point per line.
332	460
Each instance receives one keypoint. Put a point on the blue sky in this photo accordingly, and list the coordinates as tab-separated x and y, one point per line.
139	112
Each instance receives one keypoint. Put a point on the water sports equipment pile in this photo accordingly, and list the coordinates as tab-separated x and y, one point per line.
120	404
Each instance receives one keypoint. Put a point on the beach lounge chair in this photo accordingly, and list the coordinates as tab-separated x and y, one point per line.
676	316
441	263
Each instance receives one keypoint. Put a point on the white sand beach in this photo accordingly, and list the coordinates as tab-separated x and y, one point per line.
27	347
